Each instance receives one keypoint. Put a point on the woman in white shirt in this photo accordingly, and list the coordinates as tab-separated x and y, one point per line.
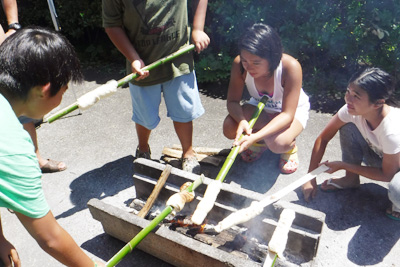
369	133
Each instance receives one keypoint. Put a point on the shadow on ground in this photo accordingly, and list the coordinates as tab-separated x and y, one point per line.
362	208
258	176
105	247
99	183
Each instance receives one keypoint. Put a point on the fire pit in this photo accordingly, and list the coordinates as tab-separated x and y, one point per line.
180	243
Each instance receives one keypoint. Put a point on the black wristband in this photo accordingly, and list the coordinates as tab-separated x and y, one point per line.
15	26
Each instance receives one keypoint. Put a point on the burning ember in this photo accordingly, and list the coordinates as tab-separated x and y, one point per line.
234	240
192	229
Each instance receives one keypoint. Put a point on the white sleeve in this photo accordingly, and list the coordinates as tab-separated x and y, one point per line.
344	115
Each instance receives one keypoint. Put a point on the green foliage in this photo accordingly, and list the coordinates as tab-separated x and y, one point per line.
80	21
330	38
213	67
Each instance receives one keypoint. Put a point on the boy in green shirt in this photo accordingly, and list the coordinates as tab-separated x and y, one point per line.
35	69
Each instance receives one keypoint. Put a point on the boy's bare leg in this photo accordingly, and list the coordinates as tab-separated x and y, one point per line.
184	130
143	136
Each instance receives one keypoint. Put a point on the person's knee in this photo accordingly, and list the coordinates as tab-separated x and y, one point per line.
350	138
279	144
229	127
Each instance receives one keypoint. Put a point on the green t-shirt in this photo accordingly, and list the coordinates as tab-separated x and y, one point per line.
156	29
20	175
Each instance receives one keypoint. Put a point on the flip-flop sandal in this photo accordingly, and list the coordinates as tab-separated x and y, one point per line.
331	183
390	211
289	162
52	166
254	152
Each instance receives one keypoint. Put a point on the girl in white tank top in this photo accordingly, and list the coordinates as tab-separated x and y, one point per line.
265	70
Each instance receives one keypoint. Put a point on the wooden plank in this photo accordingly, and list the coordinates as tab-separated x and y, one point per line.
203	158
157	188
210	151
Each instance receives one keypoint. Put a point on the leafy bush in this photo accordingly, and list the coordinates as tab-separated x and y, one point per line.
80	21
330	38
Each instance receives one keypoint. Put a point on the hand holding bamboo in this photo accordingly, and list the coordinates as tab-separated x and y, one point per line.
212	191
92	97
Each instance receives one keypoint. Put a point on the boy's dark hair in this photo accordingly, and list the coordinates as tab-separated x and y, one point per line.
263	41
377	83
35	56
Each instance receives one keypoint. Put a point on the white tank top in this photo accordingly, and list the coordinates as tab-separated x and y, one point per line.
274	103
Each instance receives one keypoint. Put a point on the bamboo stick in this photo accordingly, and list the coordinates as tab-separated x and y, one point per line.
145	231
125	80
235	150
212	191
257	207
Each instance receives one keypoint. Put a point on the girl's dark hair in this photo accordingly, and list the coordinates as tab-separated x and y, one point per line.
377	83
35	56
263	41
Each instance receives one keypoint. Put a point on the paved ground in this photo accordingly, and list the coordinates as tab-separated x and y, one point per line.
98	146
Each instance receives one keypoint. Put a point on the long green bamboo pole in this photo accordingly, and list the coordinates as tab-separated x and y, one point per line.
235	150
145	231
125	80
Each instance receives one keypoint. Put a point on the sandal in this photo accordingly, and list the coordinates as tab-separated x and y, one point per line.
289	161
191	164
334	186
254	152
144	155
53	166
391	211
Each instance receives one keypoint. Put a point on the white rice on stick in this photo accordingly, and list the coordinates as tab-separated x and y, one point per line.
241	216
207	203
91	98
178	200
277	243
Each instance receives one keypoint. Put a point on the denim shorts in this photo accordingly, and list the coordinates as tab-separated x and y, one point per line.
181	96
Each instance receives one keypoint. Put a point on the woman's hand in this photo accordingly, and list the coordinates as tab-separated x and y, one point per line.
245	142
333	166
309	190
243	128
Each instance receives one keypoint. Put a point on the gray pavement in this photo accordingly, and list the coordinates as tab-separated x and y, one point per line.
98	146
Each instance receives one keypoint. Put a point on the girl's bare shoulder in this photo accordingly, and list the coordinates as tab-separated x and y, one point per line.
237	68
289	62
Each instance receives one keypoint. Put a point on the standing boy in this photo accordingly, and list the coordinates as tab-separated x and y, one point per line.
145	31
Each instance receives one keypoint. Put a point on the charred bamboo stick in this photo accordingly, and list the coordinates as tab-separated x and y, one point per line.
123	81
213	188
145	231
